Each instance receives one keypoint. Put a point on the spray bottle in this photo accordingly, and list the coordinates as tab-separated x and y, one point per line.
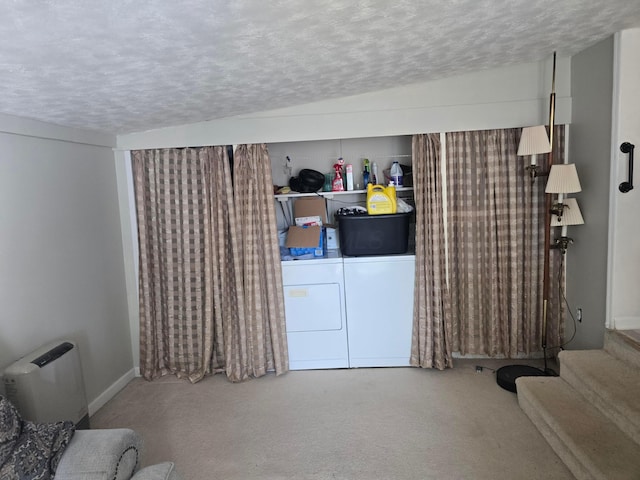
338	184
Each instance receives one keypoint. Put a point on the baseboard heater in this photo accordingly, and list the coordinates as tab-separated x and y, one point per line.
47	385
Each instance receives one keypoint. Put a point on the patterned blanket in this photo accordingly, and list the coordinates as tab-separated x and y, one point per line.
30	451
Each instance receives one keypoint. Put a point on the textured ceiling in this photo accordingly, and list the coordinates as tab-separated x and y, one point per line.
121	66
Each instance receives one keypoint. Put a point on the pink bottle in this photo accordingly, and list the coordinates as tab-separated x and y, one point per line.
338	184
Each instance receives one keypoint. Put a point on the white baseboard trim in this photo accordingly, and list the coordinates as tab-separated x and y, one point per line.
521	356
112	391
626	323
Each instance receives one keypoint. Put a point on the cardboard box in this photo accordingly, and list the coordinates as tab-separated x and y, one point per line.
305	240
310	207
308	221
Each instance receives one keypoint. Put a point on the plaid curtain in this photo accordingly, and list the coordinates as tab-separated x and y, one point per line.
258	342
496	246
192	283
431	339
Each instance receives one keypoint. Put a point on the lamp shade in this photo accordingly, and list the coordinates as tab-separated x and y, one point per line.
563	178
534	140
571	214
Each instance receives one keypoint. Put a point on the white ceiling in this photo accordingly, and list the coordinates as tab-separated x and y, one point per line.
122	66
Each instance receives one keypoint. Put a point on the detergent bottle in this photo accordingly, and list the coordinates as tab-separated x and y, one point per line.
381	200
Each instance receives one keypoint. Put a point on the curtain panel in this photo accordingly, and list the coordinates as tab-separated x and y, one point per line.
431	345
186	285
496	246
197	293
258	342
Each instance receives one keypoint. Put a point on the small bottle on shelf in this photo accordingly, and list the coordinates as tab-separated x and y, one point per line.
374	173
366	176
396	174
349	169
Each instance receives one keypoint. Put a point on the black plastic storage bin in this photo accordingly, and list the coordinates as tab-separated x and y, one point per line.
374	234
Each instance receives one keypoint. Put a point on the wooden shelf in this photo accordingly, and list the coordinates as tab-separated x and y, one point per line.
286	196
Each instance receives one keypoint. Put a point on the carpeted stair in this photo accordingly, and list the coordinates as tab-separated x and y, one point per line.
590	414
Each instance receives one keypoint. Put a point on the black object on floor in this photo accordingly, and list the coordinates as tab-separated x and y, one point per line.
506	376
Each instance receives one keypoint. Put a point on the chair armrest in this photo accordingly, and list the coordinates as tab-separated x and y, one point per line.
161	471
110	454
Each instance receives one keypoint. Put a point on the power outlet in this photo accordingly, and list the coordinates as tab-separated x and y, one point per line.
579	314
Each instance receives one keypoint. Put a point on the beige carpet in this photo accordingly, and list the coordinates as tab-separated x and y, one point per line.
385	423
590	414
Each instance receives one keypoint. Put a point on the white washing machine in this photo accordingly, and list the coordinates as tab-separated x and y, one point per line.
379	309
315	313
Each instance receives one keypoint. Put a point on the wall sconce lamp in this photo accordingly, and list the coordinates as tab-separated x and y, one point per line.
534	141
563	178
572	216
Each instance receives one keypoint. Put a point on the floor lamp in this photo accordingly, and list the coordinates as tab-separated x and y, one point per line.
506	376
562	179
534	141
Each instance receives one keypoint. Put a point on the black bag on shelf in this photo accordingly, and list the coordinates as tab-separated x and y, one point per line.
307	181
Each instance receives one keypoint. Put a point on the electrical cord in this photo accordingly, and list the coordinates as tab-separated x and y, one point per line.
564	298
480	368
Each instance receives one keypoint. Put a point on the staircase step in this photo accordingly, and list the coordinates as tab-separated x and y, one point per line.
623	345
589	444
610	384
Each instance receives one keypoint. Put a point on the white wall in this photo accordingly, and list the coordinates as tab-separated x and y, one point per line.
590	150
624	250
62	270
499	98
